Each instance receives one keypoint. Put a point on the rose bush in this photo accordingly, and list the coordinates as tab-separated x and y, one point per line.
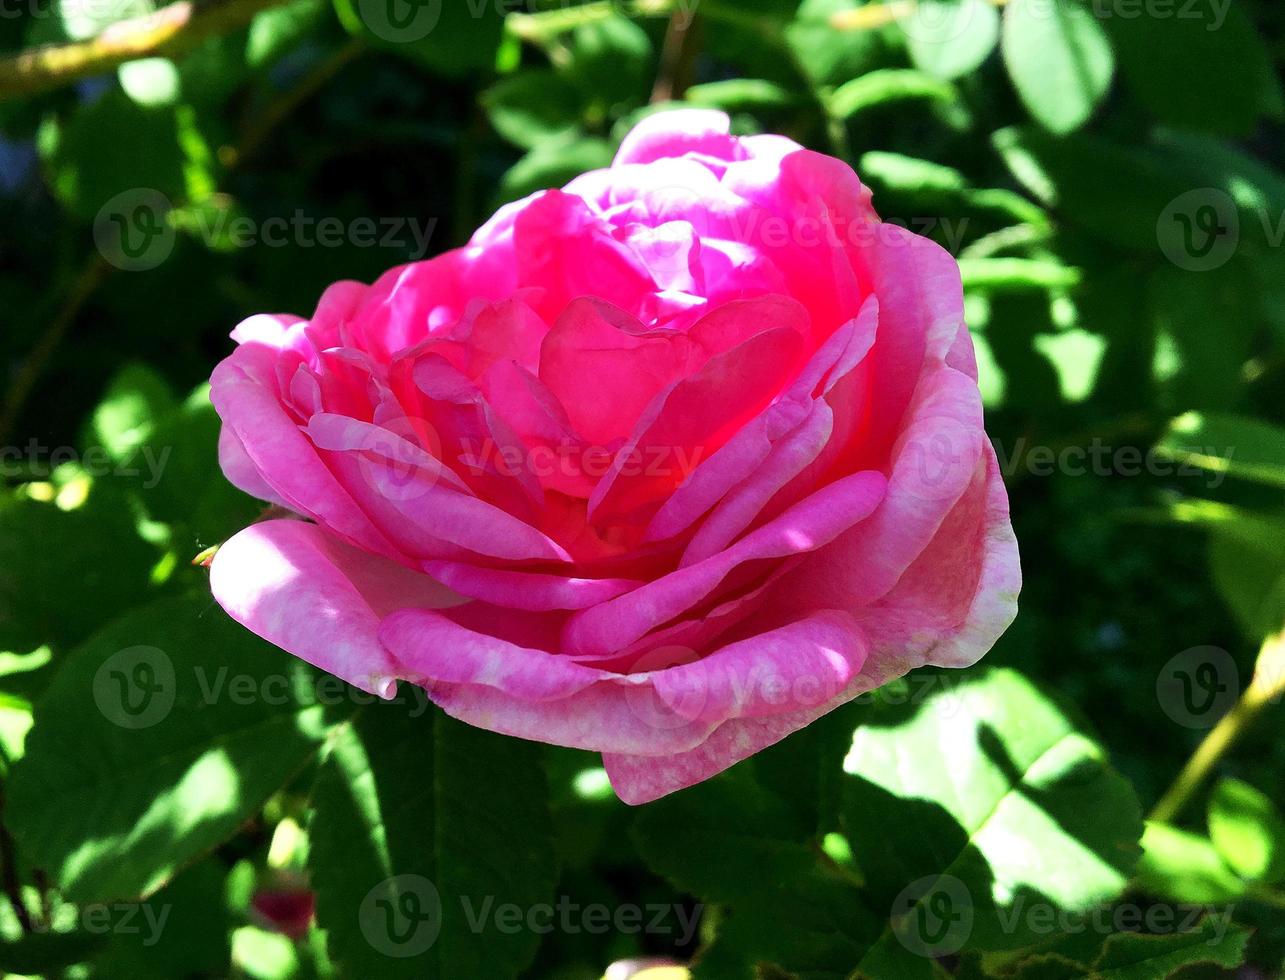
665	464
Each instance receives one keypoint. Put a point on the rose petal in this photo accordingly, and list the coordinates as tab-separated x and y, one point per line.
975	555
806	527
318	598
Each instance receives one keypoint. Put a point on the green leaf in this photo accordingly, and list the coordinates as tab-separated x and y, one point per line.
1086	954
532	107
1240	446
182	930
553	163
153	743
150	154
888	85
989	788
150	81
135	400
279	29
829	56
1206	324
452	39
610	62
1117	192
263	955
1247	559
740	95
925	187
1185	867
1007	275
41	602
1076	356
48	953
1248	831
1059	58
1246	551
785	902
1132	956
175	474
1196	69
950	38
905	174
429	840
717	862
546	28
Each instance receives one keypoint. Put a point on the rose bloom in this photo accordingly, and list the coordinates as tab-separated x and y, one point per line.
665	464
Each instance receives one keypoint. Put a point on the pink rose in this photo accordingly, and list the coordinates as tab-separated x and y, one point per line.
665	464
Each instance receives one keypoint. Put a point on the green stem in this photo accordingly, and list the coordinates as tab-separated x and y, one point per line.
1266	687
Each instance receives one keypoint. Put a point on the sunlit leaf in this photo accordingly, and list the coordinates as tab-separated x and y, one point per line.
888	85
989	796
155	740
1185	867
1248	831
1059	58
429	836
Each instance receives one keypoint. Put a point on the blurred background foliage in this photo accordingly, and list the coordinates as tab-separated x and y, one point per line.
1108	175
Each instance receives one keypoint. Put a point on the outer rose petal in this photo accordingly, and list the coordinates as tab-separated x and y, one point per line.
530	693
976	551
671	134
285	459
241	471
318	598
533	694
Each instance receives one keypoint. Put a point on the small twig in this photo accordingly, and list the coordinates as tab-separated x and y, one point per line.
875	15
168	32
677	57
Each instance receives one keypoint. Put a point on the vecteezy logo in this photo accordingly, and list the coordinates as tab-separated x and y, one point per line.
401	916
135	688
132	231
687	682
936	461
1198	686
1205	220
1198	231
933	916
400	21
401	460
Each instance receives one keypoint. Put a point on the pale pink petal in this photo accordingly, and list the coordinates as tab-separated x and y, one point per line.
241	471
678	132
738	509
322	600
797	666
531	693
